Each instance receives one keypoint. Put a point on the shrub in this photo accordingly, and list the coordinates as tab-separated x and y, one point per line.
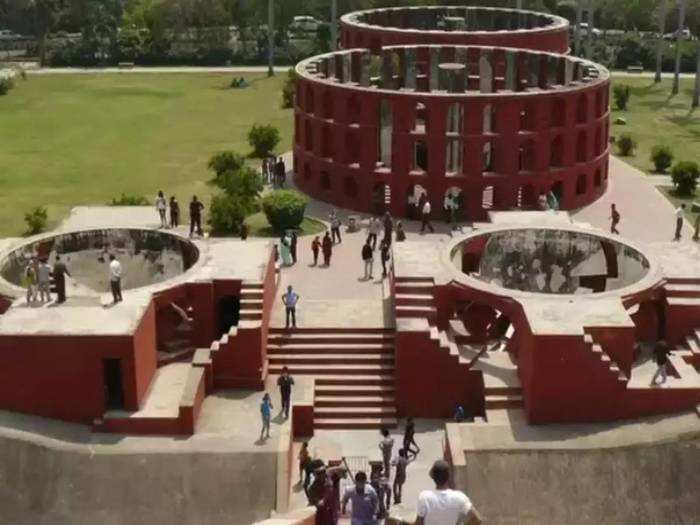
289	89
662	157
284	209
130	200
36	220
263	139
622	93
626	145
227	213
685	175
6	84
226	161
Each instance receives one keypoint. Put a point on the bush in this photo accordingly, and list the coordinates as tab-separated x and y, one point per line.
626	145
662	157
36	220
130	200
621	93
284	209
227	213
289	89
263	139
685	177
226	161
6	84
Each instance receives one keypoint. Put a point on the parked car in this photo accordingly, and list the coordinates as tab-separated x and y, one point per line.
685	35
6	34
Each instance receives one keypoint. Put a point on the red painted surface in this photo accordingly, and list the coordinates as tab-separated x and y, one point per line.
302	420
5	303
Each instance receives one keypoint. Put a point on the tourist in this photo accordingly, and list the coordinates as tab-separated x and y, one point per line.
411	205
293	247
335	226
425	217
444	505
244	231
661	353
285	382
174	212
679	222
388	226
280	172
459	415
310	474
327	249
115	278
614	219
290	300
384	253
323	497
43	277
409	438
542	202
304	459
372	231
266	413
386	445
447	205
400	233
264	170
196	208
364	501
400	464
59	278
315	247
368	259
30	280
162	206
380	484
552	201
285	252
696	236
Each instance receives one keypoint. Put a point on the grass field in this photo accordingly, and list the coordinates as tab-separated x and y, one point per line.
655	117
259	227
67	140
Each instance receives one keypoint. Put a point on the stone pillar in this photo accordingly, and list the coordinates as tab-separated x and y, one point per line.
452	77
409	63
533	70
387	71
346	57
365	58
486	71
511	70
552	71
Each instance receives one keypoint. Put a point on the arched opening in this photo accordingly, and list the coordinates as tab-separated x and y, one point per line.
385	133
527	155
354	109
527	197
229	309
380	197
297	129
350	187
352	147
581	184
597	179
455	114
599	103
453	204
308	136
581	147
421	119
527	117
558	190
487	198
599	141
556	154
453	158
327	111
420	156
582	109
487	157
558	115
310	103
489	119
307	173
325	181
327	142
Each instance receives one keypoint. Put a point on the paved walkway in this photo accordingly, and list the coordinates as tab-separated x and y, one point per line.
154	69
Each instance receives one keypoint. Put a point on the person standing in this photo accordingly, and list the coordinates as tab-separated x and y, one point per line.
323	497
679	222
614	219
44	281
388	226
285	251
552	201
115	278
59	278
304	459
244	231
443	505
409	438
293	247
266	414
372	231
696	235
384	253
411	205
364	501
174	212
400	233
425	217
368	259
196	208
162	206
542	203
290	300
30	280
400	464
386	445
335	226
285	382
280	172
264	171
447	205
315	247
327	249
661	353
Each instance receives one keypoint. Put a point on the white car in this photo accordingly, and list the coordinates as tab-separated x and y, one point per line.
584	29
6	34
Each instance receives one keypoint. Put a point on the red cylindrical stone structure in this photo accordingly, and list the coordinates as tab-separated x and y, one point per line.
384	131
456	25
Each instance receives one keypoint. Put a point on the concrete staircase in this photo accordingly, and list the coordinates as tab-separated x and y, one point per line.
604	359
251	307
353	371
414	298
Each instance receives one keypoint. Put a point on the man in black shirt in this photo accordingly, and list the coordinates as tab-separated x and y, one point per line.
59	278
196	208
661	353
409	438
280	172
285	382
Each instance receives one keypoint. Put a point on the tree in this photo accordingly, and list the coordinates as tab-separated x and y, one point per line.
263	139
679	40
45	13
662	12
685	176
270	38
289	88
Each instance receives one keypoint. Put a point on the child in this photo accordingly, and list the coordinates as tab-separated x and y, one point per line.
266	412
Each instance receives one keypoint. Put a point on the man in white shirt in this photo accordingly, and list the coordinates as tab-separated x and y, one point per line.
425	216
679	222
444	506
115	278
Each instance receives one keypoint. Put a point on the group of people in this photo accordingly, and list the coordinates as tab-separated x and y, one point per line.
679	215
37	280
172	219
370	247
274	172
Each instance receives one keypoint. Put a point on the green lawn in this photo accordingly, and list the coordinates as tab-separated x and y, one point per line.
67	140
259	227
655	117
688	201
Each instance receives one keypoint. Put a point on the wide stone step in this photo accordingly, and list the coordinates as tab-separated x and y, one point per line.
341	339
329	359
331	331
250	314
355	423
415	311
503	401
358	380
404	279
335	370
353	412
683	290
326	348
354	390
415	288
251	295
503	391
683	301
354	401
414	299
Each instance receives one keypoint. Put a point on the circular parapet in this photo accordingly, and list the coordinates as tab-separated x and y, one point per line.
457	25
491	127
147	257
